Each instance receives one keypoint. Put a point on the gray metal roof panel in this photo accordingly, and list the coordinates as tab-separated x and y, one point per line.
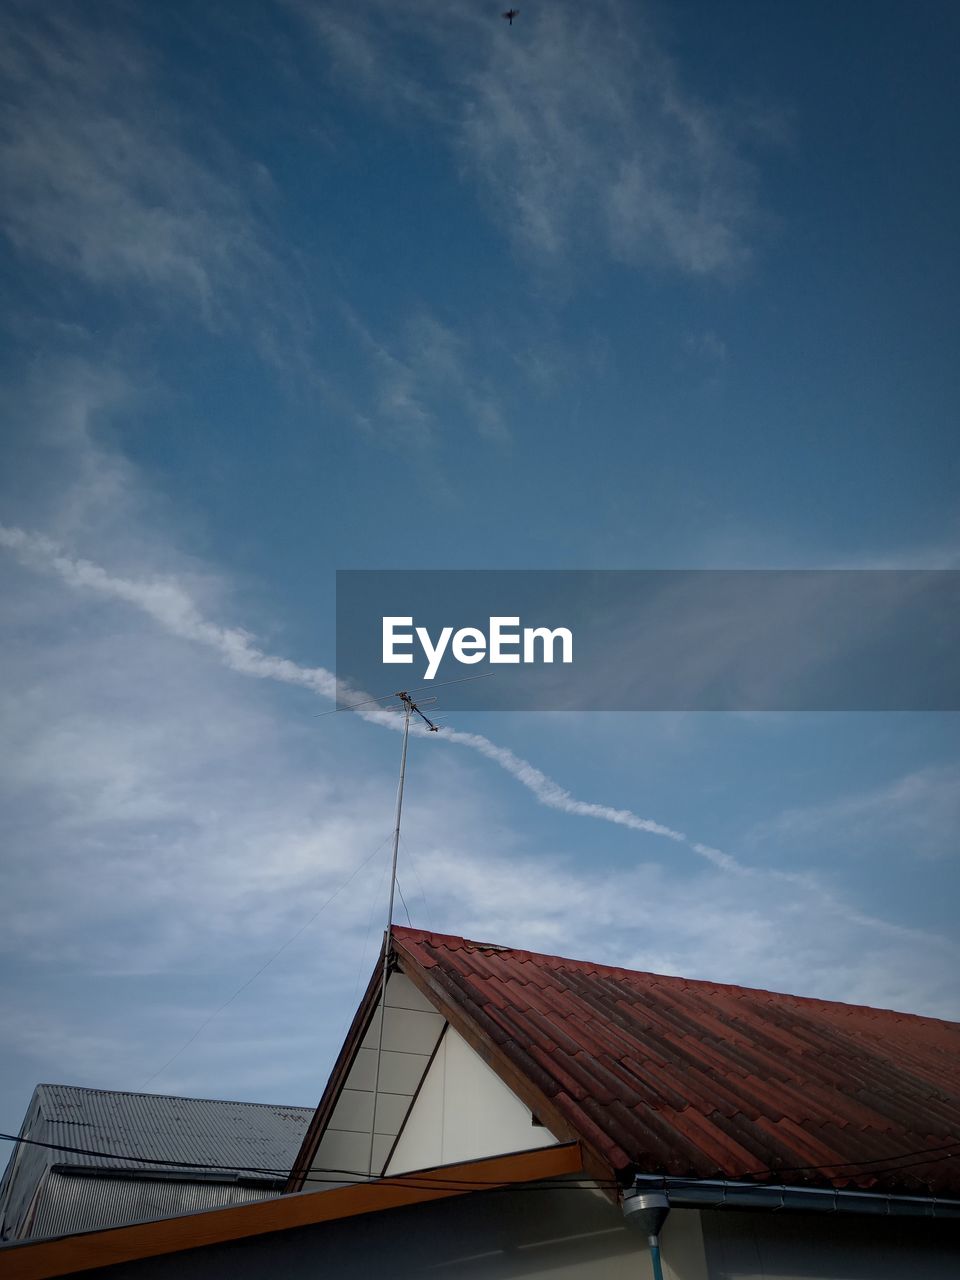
130	1130
234	1135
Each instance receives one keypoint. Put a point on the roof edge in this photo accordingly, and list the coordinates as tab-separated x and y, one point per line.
67	1255
521	1084
402	932
171	1097
725	1193
341	1069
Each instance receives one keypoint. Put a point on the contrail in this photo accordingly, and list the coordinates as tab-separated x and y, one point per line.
551	794
170	605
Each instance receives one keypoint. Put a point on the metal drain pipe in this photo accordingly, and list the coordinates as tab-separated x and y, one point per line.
647	1211
647	1203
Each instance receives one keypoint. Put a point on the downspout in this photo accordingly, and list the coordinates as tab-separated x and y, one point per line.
646	1204
647	1211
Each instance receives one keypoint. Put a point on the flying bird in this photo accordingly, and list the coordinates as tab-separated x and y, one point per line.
510	15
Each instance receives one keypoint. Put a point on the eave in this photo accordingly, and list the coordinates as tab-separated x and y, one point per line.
69	1255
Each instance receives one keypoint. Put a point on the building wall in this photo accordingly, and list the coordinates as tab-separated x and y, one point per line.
463	1111
564	1234
547	1232
813	1246
411	1030
68	1202
22	1176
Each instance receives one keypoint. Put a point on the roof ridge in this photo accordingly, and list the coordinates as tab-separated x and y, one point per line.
172	1097
409	934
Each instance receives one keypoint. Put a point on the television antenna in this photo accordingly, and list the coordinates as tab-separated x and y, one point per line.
410	709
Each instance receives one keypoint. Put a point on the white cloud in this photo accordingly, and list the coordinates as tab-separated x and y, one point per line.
443	362
931	555
65	480
168	602
369	67
574	124
424	385
918	812
707	346
756	930
98	178
170	827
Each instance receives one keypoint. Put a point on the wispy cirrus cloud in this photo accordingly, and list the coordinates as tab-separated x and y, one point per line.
167	602
172	826
99	178
575	126
178	598
424	384
704	924
919	812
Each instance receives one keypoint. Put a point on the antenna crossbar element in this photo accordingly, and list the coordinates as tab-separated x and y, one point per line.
409	703
365	702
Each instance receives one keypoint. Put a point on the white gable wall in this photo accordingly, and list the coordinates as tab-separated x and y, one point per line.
411	1029
463	1111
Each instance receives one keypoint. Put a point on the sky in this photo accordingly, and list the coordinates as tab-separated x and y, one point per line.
292	287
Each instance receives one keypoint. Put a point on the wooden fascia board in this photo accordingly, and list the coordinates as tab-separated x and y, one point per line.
68	1255
539	1103
338	1077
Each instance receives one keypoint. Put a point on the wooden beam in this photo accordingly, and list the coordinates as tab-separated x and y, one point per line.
44	1259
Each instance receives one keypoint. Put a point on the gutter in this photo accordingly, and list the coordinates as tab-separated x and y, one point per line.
708	1193
190	1177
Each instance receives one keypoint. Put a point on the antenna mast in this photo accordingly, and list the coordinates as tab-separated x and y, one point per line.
409	709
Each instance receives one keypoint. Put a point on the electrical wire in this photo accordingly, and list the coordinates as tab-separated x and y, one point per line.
413	1179
404	901
413	867
365	702
266	965
948	1151
362	967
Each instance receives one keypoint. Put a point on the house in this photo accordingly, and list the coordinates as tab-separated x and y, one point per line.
70	1173
511	1114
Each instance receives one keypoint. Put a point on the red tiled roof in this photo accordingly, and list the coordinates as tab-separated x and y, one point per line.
698	1079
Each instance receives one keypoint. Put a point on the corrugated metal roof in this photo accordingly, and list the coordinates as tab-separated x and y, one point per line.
128	1132
202	1131
698	1079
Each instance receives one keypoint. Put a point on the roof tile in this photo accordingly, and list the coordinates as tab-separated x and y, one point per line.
670	1075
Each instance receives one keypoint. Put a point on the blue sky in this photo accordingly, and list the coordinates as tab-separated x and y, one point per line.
294	287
